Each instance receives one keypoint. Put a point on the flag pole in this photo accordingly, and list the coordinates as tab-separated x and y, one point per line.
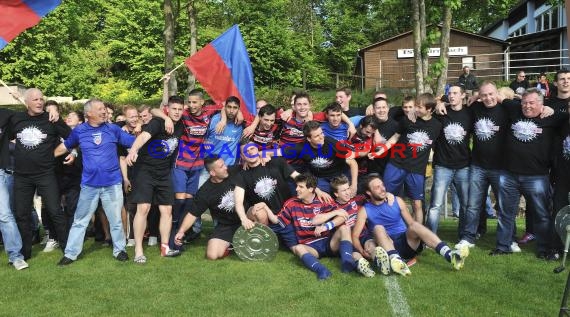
14	94
170	72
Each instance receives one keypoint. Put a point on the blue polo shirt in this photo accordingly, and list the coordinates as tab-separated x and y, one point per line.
338	133
99	150
224	144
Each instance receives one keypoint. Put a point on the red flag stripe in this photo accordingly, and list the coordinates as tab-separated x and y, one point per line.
15	17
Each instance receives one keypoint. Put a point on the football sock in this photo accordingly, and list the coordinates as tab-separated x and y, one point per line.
443	249
177	214
393	254
314	265
345	250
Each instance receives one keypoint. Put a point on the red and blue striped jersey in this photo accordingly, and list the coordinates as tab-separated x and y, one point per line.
266	139
301	215
292	133
352	207
190	152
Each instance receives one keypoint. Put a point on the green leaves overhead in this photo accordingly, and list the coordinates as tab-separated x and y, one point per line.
114	48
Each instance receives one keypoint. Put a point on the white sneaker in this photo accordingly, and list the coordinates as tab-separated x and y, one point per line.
363	267
46	238
51	245
20	264
152	241
515	247
131	243
464	243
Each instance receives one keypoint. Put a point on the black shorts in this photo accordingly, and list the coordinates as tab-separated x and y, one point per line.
224	232
150	187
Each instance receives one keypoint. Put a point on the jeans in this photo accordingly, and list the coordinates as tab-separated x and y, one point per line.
536	191
479	180
442	178
8	226
112	201
24	188
455	203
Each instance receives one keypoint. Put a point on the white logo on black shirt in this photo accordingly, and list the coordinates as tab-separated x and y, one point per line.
454	133
419	137
265	187
171	143
321	162
31	137
227	202
525	131
485	129
566	148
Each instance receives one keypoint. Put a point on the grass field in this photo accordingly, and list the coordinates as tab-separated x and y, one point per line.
97	285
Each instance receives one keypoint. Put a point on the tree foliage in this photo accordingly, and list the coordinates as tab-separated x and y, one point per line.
116	48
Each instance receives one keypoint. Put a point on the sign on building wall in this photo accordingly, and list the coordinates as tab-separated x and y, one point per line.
434	52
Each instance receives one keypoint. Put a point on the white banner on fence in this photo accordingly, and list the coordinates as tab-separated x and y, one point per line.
434	52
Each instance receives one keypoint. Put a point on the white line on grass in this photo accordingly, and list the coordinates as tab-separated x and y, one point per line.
396	298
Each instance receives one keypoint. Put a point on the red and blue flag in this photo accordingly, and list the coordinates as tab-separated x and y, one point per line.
224	69
18	15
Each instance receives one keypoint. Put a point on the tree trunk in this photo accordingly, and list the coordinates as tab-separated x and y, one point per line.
444	50
169	35
417	34
193	36
423	30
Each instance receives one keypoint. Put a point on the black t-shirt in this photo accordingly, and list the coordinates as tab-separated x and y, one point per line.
557	104
36	139
417	139
530	140
266	184
490	129
452	147
324	161
519	87
218	198
386	129
5	116
355	111
159	152
562	168
396	113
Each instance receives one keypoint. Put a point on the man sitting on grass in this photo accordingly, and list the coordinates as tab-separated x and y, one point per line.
396	231
305	212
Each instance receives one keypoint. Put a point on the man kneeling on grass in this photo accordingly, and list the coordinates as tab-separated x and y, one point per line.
217	195
305	212
395	231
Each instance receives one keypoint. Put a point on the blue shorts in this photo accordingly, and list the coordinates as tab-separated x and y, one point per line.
401	245
287	236
322	246
395	177
363	238
186	181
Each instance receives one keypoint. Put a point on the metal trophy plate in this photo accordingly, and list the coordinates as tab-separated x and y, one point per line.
561	221
258	244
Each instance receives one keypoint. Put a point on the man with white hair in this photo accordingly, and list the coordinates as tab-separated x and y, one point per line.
34	170
101	178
